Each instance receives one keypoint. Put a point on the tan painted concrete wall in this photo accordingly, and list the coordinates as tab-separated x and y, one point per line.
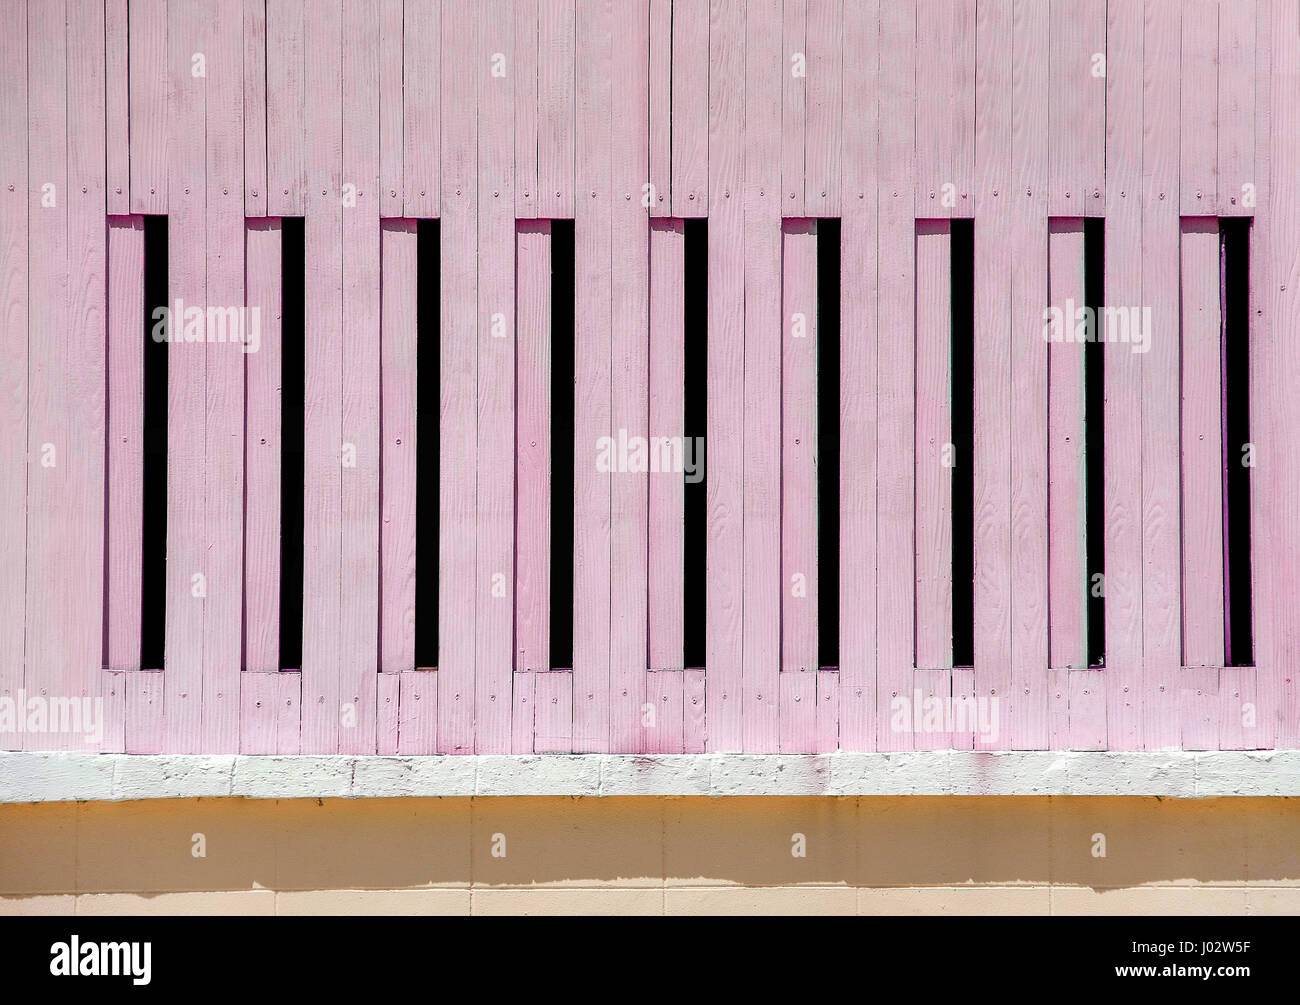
911	855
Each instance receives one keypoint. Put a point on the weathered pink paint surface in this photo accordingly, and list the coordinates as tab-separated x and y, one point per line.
497	118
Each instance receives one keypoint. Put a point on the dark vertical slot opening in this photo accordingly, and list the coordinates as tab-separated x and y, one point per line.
563	375
1235	286
1094	438
828	443
962	246
695	296
292	364
153	577
428	419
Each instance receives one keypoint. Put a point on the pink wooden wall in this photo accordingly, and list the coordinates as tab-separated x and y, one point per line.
497	117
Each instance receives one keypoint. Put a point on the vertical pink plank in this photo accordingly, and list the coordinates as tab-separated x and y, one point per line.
323	448
144	730
1238	80
187	586
554	712
75	384
224	389
826	740
525	105
254	45
422	56
1161	580
765	66
458	433
387	697
1058	710
391	108
896	405
362	250
667	367
417	729
556	41
258	711
117	108
630	364
858	349
966	731
929	702
726	392
1201	445
14	271
1087	710
150	106
287	69
113	716
693	97
1077	90
661	108
523	703
398	373
1198	708
990	679
1198	101
1238	711
794	108
125	460
822	134
694	739
945	108
1026	210
1066	492
533	456
592	415
799	594
495	516
664	695
1280	690
798	711
1122	488
263	446
934	450
288	727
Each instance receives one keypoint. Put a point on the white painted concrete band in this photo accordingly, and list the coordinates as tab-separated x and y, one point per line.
30	776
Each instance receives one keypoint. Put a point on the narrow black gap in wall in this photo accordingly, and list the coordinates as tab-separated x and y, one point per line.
695	293
428	417
1238	634
563	292
828	443
1094	438
962	245
292	364
153	579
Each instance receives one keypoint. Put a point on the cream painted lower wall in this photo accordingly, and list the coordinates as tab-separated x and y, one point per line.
652	855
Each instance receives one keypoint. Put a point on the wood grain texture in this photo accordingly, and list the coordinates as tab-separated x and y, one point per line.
398	467
124	460
935	453
945	108
799	486
859	264
422	131
693	92
1122	376
824	98
392	108
1201	416
724	477
458	428
533	451
667	408
16	205
286	106
254	81
1238	80
896	374
117	107
1067	548
794	105
556	109
1077	107
766	64
151	107
1198	108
